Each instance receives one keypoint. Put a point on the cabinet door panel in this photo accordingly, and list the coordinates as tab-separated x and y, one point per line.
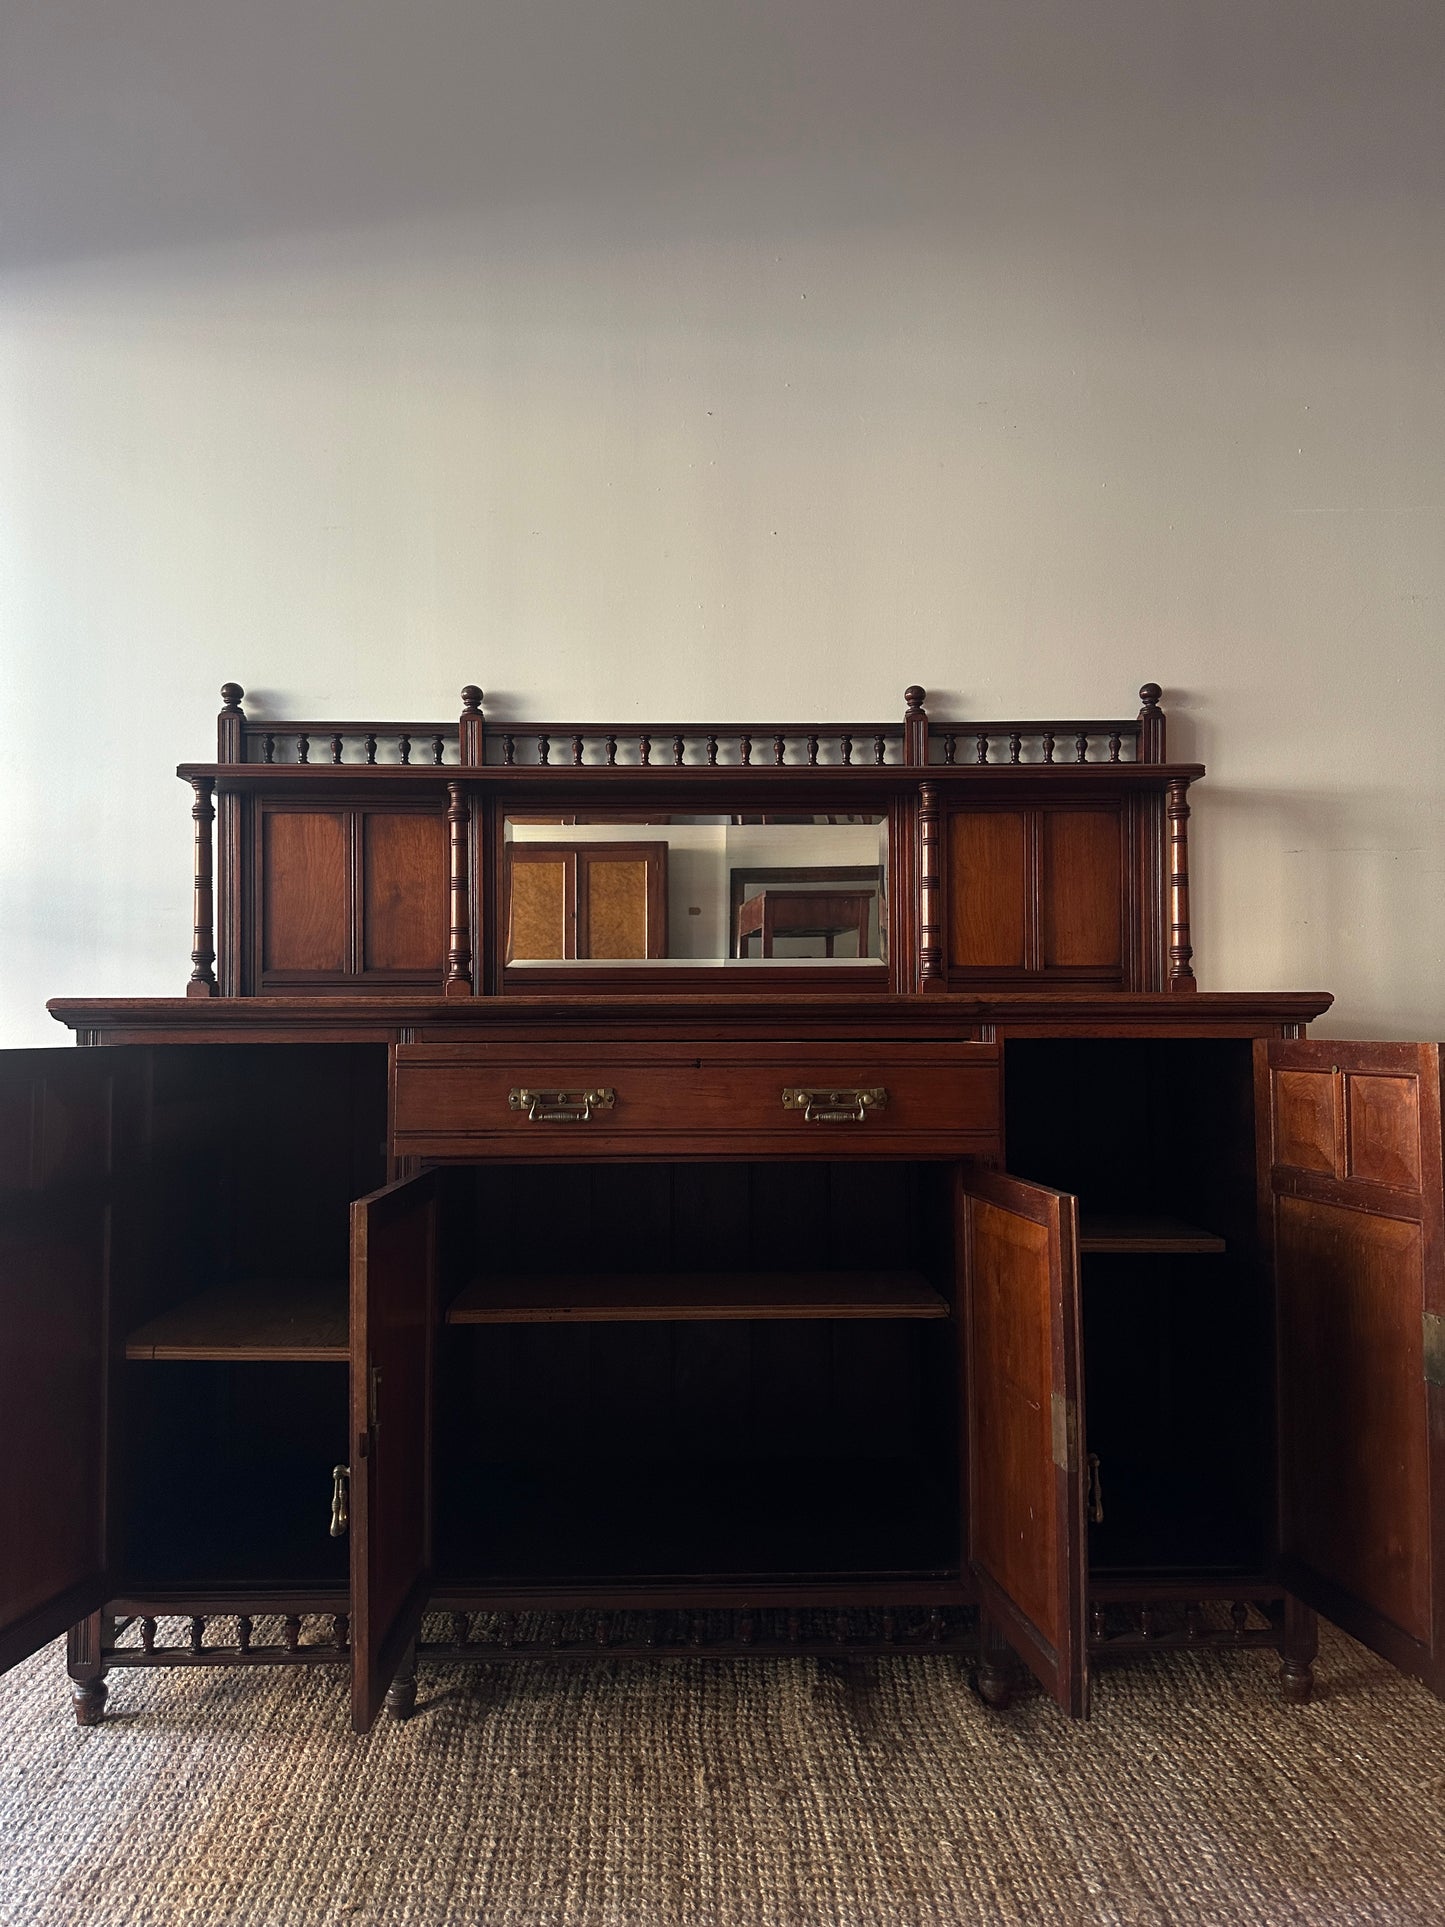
1351	1191
1024	1420
57	1126
393	1326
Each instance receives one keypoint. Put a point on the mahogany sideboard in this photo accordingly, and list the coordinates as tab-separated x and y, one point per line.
997	1293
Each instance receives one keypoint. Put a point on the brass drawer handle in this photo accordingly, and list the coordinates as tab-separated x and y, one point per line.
560	1107
824	1106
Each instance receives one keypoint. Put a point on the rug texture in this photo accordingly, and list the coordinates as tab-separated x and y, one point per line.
725	1794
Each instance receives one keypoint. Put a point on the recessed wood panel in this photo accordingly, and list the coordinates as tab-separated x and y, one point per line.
539	909
1355	1419
1384	1130
1080	888
1304	1120
1013	1531
617	908
404	869
986	889
305	875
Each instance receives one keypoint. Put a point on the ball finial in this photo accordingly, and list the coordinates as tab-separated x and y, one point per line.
231	694
914	697
471	697
1149	695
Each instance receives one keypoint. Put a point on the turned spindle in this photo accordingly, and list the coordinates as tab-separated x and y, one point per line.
644	750
336	748
459	951
812	751
203	949
711	747
679	750
577	747
370	747
403	748
933	974
1181	974
779	748
1015	748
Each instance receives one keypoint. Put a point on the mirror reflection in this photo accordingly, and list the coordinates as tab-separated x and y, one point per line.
734	891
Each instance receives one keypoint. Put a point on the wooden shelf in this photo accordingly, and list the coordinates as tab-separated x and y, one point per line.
634	1297
1110	1233
259	1319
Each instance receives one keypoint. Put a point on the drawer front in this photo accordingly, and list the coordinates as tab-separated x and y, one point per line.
583	1102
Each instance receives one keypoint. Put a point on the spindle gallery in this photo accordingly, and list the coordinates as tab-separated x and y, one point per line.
775	1188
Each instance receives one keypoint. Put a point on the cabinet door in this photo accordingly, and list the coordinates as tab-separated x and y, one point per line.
1350	1153
393	1327
58	1119
1025	1527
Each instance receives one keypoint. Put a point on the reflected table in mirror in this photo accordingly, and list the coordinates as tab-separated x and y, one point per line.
803	913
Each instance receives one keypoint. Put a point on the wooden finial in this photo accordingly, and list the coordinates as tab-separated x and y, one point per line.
915	727
471	731
231	725
1151	724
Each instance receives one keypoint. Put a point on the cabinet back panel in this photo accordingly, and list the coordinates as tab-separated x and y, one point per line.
226	1475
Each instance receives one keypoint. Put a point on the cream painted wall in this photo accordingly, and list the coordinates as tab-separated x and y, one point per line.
653	357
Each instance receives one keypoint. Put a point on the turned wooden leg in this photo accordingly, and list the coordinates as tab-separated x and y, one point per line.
995	1676
1299	1643
401	1694
85	1646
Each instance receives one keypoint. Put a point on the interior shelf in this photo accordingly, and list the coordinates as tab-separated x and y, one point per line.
284	1320
637	1297
1114	1232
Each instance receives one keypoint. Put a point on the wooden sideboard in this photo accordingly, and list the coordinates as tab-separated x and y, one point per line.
1000	1294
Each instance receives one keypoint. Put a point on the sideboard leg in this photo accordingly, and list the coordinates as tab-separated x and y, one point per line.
85	1645
401	1694
1300	1643
994	1679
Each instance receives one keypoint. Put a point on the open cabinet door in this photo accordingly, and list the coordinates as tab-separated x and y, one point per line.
393	1326
1350	1154
1026	1533
58	1129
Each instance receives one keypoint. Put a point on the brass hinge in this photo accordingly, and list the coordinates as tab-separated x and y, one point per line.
1434	1348
1065	1415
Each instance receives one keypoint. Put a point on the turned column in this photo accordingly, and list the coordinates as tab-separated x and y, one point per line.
932	973
459	954
203	955
1181	976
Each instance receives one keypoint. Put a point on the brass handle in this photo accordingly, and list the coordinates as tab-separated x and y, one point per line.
827	1106
1096	1492
560	1107
340	1496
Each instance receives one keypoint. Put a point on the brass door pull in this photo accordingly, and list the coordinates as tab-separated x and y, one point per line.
825	1106
560	1107
340	1500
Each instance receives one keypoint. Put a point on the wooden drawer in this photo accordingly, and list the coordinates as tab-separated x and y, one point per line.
681	1100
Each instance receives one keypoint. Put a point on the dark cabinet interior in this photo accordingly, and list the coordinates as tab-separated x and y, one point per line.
1156	1139
681	1370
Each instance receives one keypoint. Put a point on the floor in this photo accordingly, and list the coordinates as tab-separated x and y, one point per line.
726	1794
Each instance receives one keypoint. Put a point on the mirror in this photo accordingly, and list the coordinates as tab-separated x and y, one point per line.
731	892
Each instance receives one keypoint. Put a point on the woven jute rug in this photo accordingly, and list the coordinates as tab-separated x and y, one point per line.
725	1794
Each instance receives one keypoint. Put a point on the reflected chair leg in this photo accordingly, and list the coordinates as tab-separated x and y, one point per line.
85	1646
401	1694
1298	1646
